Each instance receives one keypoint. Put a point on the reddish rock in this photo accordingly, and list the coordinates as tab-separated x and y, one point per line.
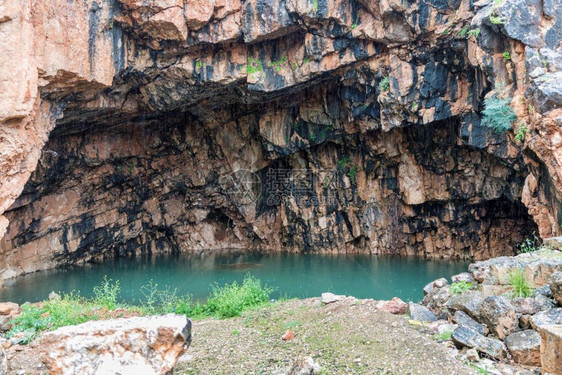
9	308
288	335
394	306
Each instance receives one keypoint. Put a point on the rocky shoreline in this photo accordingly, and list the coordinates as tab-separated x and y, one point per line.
484	314
484	318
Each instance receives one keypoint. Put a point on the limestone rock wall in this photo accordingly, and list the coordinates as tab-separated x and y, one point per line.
158	125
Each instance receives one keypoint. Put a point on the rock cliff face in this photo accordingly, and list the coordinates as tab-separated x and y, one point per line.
303	125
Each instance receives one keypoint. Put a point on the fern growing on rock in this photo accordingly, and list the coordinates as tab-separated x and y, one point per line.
498	114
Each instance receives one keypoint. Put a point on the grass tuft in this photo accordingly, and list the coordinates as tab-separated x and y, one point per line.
521	287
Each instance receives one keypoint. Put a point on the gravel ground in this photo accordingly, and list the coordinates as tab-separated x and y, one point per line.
345	337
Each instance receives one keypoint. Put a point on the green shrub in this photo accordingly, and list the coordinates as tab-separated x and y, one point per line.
519	284
231	299
498	114
460	286
384	84
529	244
163	301
506	55
71	309
106	293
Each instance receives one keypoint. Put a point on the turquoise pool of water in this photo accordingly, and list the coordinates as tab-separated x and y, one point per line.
293	275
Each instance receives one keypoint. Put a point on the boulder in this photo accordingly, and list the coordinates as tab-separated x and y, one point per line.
551	348
525	347
141	345
330	298
428	288
5	323
437	297
440	283
547	317
421	313
462	319
553	242
543	291
468	302
544	303
537	267
395	306
9	308
530	306
555	284
466	337
499	315
464	276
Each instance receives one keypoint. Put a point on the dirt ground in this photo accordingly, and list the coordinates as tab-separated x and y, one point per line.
342	338
345	337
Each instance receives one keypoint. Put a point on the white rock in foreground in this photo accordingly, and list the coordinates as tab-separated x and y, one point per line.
140	345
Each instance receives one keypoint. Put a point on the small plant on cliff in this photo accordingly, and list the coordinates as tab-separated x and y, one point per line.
521	131
506	55
463	32
519	284
314	6
498	114
474	32
106	293
253	66
496	20
460	286
353	26
277	64
344	161
384	84
352	173
529	244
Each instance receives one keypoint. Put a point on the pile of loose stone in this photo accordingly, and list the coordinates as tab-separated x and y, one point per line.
493	328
